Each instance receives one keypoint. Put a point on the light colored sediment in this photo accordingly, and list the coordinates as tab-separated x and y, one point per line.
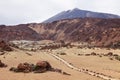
12	59
92	73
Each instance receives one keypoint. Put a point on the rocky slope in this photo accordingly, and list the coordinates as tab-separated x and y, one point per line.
100	32
19	32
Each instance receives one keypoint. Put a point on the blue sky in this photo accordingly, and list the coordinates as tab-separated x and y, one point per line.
14	12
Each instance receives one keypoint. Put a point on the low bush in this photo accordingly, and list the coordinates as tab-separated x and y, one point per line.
117	58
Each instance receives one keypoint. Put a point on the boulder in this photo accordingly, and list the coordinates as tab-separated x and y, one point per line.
43	65
2	64
24	67
40	67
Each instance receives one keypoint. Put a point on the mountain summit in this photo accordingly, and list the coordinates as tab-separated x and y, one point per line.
77	13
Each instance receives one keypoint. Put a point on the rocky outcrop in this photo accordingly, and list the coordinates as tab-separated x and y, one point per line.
5	46
40	67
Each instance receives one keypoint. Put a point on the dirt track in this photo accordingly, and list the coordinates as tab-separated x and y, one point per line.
12	59
83	70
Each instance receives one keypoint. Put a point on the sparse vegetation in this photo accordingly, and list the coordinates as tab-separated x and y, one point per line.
2	64
111	58
4	46
117	58
28	54
62	53
110	54
93	53
115	55
116	45
100	55
44	50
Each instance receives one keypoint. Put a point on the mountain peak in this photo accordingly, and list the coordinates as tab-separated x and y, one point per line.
78	13
75	9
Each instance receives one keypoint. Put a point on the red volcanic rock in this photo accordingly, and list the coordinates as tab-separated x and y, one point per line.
18	32
40	67
43	65
99	32
5	46
24	67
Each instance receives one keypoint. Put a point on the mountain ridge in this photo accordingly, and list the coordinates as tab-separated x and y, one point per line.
77	13
96	31
100	32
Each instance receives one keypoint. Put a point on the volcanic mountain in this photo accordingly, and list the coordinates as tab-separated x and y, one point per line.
101	31
77	13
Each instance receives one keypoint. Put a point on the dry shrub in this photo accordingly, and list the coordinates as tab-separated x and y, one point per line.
93	53
63	53
2	64
4	46
117	58
110	54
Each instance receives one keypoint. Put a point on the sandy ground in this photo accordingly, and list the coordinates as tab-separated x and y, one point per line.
12	59
95	63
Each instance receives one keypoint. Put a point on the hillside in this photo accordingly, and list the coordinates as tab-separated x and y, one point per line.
19	32
100	32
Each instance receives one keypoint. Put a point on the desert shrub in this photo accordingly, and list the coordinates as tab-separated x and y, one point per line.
100	55
111	58
79	47
93	53
28	54
117	58
2	64
34	50
87	54
115	55
110	54
116	45
4	46
62	53
80	54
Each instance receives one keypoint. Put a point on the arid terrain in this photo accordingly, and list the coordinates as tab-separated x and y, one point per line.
67	49
98	32
59	40
81	63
